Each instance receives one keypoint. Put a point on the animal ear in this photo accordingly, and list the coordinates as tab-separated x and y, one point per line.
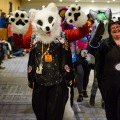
93	14
108	13
32	13
11	13
52	7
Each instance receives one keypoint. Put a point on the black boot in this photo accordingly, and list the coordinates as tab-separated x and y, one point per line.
103	104
80	98
1	67
92	100
85	94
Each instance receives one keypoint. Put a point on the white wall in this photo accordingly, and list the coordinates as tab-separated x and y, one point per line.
100	6
85	6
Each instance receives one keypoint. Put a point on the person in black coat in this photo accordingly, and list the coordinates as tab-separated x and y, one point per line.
1	55
108	71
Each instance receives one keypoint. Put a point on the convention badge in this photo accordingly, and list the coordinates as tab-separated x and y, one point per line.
117	67
48	58
39	69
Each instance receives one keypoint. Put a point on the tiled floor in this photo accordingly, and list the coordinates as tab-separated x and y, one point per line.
15	96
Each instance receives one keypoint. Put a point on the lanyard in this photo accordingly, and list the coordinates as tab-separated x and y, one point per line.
44	53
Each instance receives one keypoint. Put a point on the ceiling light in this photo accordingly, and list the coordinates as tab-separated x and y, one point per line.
113	0
108	1
92	1
76	0
29	0
43	6
60	0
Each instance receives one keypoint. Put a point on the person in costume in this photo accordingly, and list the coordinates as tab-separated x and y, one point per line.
77	63
48	63
108	71
69	76
98	32
3	26
1	54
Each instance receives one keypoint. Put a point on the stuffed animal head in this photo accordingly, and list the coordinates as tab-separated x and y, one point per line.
46	23
20	22
100	15
75	16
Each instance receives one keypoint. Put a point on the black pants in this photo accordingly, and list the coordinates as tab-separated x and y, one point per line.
1	53
72	95
48	102
111	97
86	70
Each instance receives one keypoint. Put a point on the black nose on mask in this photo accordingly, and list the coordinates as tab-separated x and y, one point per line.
48	28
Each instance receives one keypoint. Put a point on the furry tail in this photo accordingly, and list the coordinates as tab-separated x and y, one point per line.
69	113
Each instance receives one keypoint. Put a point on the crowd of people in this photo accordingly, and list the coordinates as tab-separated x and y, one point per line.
7	48
106	66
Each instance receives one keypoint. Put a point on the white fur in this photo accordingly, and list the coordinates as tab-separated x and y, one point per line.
19	29
50	10
32	13
105	34
82	19
68	114
90	58
115	17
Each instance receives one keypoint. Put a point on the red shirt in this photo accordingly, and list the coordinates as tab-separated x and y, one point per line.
71	35
10	33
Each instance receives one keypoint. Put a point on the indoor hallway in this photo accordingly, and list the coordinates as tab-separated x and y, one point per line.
15	95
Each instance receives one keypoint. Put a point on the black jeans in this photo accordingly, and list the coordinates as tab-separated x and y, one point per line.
49	101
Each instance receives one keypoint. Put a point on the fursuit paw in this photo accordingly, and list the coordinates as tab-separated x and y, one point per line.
84	53
75	16
90	58
20	22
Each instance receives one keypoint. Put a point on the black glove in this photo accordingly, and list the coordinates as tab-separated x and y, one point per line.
69	83
31	85
31	80
69	79
95	41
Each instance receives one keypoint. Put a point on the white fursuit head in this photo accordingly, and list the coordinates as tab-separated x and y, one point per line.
46	23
